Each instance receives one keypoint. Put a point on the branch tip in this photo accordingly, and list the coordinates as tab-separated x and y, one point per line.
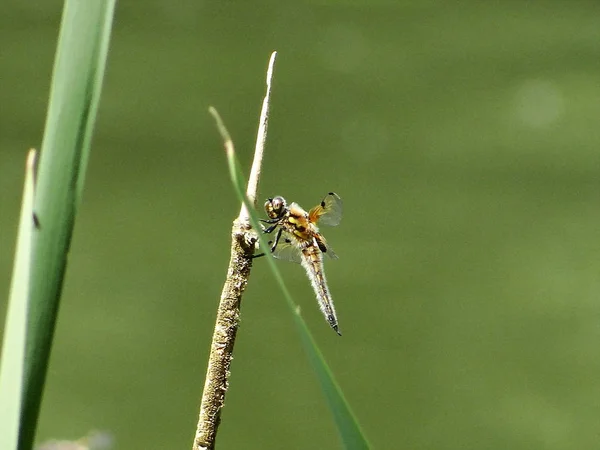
270	69
261	137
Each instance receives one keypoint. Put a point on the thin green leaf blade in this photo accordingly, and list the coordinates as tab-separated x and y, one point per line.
350	431
15	331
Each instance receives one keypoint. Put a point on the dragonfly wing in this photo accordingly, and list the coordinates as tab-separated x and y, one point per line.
286	249
328	212
330	253
324	247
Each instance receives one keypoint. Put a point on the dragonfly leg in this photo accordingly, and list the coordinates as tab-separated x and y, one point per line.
274	246
270	229
277	237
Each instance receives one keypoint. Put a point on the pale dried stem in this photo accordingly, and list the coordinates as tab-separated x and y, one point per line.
228	313
261	138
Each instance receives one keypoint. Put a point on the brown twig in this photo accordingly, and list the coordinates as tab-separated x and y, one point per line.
228	313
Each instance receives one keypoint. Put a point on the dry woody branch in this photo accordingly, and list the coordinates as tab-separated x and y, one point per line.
228	313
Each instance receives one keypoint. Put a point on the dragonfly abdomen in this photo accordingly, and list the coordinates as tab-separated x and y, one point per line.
312	261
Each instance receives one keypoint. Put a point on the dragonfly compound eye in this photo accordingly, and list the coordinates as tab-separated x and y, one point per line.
278	205
274	207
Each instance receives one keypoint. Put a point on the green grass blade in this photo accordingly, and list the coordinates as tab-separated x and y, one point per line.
350	431
12	364
75	90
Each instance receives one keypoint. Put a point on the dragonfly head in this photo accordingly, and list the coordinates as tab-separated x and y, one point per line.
275	207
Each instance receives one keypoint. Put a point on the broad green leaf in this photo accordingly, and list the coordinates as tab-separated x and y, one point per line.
75	90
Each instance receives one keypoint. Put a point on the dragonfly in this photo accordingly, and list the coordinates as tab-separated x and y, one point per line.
298	239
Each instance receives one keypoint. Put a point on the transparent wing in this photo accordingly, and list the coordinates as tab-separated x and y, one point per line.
330	253
325	247
328	212
286	250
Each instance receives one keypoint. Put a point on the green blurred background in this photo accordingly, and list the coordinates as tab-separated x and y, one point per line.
464	141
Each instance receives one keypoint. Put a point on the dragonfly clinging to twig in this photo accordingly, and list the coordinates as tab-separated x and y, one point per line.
297	238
